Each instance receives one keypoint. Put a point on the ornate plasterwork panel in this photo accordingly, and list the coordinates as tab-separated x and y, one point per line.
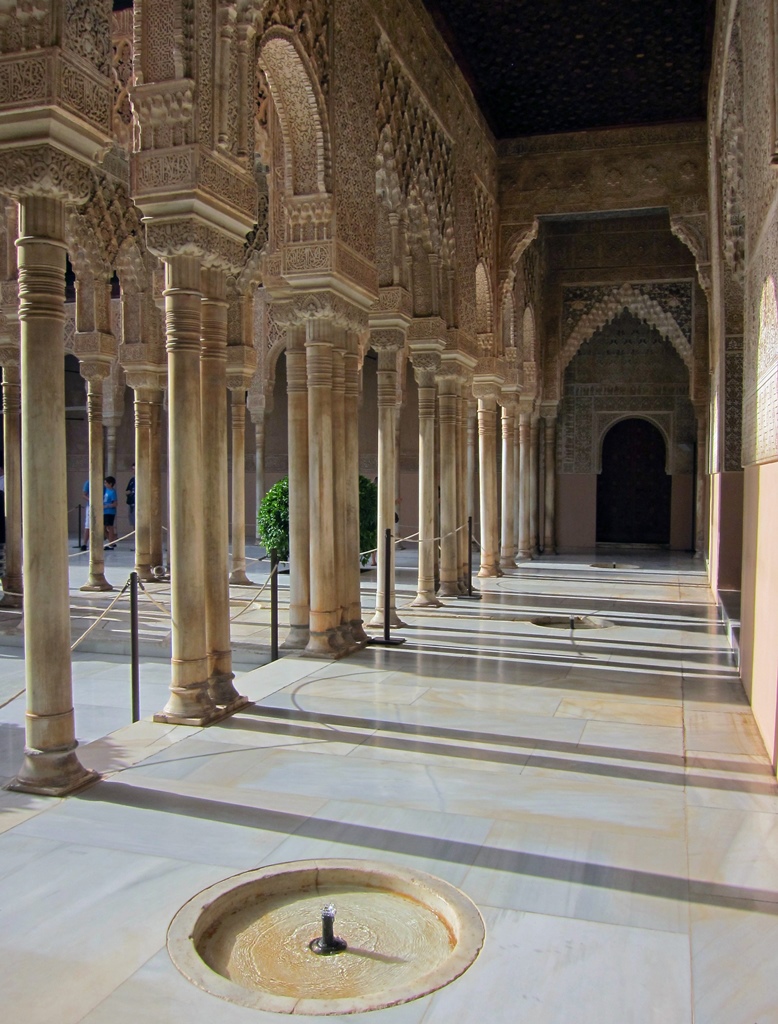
665	305
622	169
626	369
733	404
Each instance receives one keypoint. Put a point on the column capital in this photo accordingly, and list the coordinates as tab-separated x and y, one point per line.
10	354
320	305
387	339
548	410
95	345
241	367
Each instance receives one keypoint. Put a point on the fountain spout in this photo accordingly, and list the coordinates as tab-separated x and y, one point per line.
328	943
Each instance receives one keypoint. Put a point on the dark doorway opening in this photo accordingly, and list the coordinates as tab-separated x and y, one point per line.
633	489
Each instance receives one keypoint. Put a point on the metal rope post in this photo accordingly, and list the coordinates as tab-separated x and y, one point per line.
274	606
470	595
135	667
387	641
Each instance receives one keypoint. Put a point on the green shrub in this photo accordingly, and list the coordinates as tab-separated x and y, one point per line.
273	518
368	516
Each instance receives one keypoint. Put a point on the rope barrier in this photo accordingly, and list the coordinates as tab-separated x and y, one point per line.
258	594
162	608
100	617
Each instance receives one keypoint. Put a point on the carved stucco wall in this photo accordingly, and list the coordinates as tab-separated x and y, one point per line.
752	32
625	369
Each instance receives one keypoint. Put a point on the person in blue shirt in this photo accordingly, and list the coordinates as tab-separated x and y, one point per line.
109	511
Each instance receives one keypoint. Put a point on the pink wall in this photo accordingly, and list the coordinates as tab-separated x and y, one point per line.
759	607
730	555
577	511
681	503
576	506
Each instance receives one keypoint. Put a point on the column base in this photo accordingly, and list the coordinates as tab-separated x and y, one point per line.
221	690
238	578
394	620
14	599
210	717
52	773
358	633
449	588
489	571
96	582
325	645
144	572
297	640
426	600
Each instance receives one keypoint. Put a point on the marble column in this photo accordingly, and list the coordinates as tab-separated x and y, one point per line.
699	486
299	488
95	373
449	552
238	423
112	425
524	490
190	701
461	493
487	451
12	449
351	569
387	342
534	543
508	496
472	436
259	408
324	618
156	546
213	397
50	765
143	411
339	487
549	539
425	365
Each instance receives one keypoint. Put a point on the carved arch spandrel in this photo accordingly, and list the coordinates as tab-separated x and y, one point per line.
301	112
642	308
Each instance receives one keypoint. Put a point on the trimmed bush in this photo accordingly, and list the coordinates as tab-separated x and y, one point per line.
273	518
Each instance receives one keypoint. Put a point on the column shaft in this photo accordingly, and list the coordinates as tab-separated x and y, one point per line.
213	395
487	449
143	416
699	488
387	478
299	489
425	595
351	568
339	496
524	469
449	567
94	405
50	764
325	606
508	549
189	701
549	539
12	448
155	486
259	463
461	492
238	423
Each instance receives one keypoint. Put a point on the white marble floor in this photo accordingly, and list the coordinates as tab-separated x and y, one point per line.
602	795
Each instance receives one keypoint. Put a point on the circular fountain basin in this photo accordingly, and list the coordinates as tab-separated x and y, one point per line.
247	938
571	622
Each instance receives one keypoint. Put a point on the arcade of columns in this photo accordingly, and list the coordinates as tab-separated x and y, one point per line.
235	173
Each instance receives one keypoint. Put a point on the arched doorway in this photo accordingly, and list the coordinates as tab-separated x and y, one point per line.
633	489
